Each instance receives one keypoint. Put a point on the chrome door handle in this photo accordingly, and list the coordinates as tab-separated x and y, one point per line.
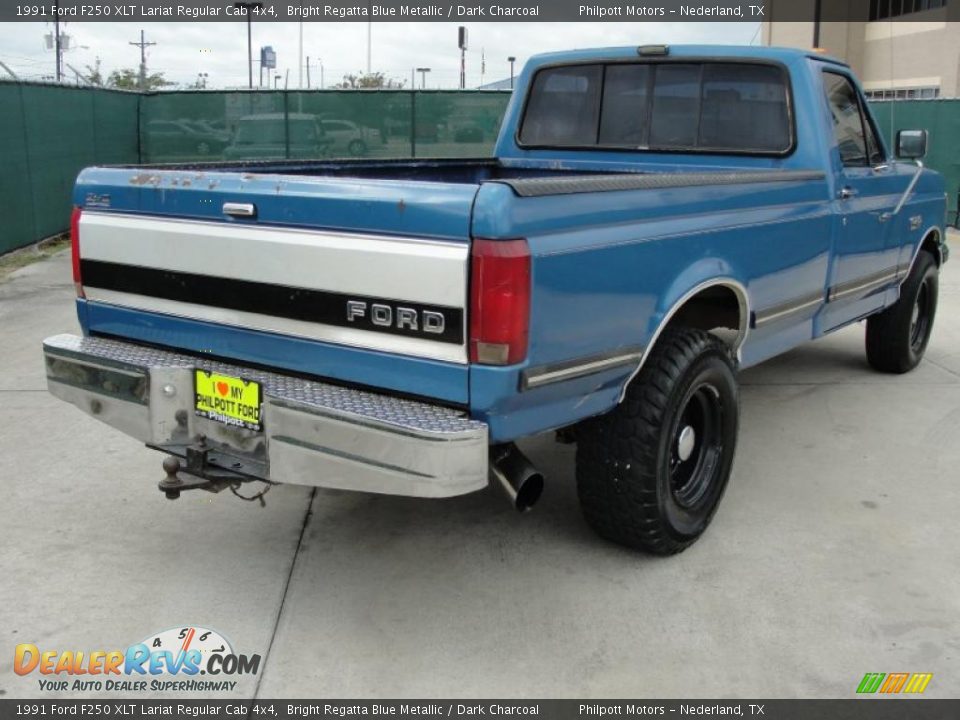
239	209
846	193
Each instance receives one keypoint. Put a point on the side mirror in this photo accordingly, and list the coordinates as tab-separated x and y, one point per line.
911	144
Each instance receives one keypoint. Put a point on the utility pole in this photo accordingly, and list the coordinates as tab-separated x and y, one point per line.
423	76
300	61
369	35
511	60
56	39
143	45
308	72
249	7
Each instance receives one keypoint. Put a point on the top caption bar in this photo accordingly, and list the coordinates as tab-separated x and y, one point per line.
394	11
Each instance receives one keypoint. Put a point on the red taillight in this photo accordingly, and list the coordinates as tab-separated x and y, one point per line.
75	249
499	301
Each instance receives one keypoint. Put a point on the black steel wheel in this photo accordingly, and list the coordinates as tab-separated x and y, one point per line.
897	338
651	473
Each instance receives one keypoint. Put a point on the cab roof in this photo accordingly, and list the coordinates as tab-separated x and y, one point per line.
785	55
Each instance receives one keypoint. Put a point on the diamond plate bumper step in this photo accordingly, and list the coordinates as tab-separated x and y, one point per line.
314	433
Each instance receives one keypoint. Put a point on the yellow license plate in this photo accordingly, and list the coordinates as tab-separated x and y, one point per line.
230	400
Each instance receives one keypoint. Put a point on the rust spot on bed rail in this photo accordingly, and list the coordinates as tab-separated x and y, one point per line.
145	179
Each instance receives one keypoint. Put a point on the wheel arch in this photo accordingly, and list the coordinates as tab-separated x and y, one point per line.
707	305
932	243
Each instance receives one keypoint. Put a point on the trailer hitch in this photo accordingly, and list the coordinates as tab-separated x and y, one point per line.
197	466
174	483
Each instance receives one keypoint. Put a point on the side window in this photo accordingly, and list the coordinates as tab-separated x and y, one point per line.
847	119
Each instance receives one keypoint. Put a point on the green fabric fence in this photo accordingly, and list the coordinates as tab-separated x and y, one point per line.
941	118
48	133
212	125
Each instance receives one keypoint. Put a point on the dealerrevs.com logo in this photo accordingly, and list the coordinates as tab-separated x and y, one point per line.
185	659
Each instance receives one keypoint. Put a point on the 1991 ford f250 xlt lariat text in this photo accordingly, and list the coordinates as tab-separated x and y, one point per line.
653	219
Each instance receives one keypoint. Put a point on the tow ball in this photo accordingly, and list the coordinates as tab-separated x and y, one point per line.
173	484
203	471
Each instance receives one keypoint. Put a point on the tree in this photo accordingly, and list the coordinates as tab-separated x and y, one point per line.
369	81
129	79
94	75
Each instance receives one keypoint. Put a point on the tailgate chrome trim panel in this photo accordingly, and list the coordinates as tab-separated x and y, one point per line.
360	266
348	337
315	433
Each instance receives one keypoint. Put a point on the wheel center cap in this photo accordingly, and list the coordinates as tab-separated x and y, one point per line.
686	442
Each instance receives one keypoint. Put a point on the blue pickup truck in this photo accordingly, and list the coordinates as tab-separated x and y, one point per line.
654	219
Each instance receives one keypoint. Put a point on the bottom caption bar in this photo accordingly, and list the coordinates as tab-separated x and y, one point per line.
853	709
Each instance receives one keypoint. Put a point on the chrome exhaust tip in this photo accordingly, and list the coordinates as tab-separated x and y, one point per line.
520	480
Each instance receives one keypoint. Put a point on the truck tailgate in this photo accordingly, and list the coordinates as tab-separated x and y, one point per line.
332	277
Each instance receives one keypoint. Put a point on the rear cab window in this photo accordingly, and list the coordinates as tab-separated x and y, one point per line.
730	107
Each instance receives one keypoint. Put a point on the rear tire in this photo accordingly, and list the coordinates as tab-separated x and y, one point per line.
897	337
651	473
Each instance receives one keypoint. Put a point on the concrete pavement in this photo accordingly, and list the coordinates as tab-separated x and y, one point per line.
835	551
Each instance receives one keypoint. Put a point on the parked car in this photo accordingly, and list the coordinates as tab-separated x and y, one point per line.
654	220
182	138
278	135
348	138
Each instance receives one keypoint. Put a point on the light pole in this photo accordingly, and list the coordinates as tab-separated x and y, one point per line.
249	6
300	60
511	60
423	77
369	36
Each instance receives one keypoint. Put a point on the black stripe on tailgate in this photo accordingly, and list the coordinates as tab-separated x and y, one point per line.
319	306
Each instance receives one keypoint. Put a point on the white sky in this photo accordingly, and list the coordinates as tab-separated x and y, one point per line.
184	49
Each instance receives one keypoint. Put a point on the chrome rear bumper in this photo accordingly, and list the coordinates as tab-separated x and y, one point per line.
313	433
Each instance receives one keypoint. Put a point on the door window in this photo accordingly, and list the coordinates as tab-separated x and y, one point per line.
854	134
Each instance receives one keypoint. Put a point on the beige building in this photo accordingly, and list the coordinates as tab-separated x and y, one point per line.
899	49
